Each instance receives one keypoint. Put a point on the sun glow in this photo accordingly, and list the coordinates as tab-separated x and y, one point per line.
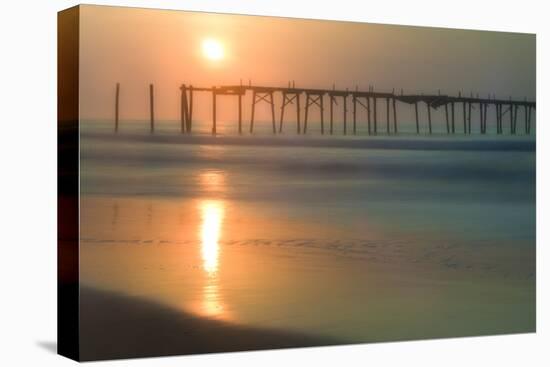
212	49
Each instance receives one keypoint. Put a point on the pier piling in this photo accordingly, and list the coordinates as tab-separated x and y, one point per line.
315	97
152	106
429	117
183	118
416	117
388	116
117	95
394	117
214	127
447	117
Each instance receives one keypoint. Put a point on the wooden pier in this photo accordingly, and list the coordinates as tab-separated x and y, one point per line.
368	101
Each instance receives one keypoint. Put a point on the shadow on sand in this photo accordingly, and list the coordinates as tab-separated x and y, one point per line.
117	326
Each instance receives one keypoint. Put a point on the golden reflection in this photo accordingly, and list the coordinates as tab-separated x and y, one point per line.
212	213
211	305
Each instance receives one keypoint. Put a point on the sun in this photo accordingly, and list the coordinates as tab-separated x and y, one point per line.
212	49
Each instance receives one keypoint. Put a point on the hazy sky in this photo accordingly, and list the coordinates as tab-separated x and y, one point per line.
136	47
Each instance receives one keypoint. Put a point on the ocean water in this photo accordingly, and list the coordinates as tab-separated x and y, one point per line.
352	237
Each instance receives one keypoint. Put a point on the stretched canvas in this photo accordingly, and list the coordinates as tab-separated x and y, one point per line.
232	182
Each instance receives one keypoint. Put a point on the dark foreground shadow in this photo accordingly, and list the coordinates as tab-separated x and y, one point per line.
49	346
116	326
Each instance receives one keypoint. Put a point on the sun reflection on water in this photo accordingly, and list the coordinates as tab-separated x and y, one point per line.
212	213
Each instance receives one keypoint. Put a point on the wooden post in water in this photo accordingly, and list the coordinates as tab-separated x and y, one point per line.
481	117
394	116
240	102
447	117
511	117
529	120
470	107
214	127
321	98
331	113
152	106
345	114
484	118
368	115
375	117
469	117
306	113
282	112
183	109
502	113
498	107
429	117
190	110
272	112
464	115
453	117
387	116
117	95
515	118
354	99
297	111
525	118
416	117
253	109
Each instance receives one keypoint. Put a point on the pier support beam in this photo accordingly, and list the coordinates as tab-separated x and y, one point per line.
190	110
481	117
186	109
515	118
259	96
447	117
368	116
498	108
528	124
464	117
298	130
314	99
272	113
388	116
214	127
240	102
511	118
416	117
288	98
152	106
453	117
375	116
117	95
429	117
394	117
331	114
354	99
345	98
484	118
469	117
253	109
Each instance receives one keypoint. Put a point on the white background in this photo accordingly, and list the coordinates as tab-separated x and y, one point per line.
28	183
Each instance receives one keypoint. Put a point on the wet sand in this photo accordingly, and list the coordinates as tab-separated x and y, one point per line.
341	289
115	326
